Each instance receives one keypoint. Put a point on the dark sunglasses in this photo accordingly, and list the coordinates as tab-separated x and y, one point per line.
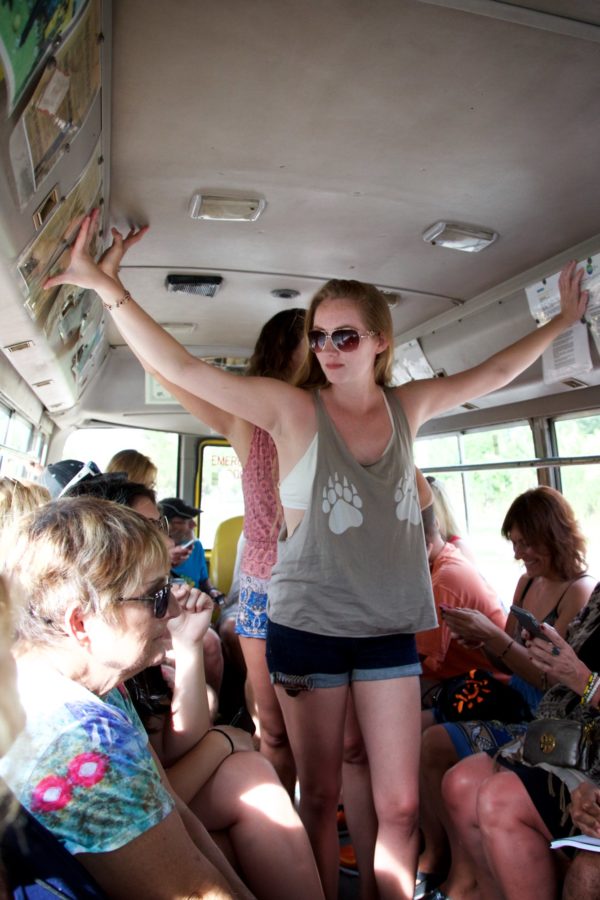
160	598
344	339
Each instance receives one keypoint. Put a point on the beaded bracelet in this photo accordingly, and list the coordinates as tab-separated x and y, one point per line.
593	692
225	735
591	687
124	299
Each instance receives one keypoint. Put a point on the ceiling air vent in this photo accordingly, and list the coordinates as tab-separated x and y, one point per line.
204	285
22	345
285	293
574	383
41	384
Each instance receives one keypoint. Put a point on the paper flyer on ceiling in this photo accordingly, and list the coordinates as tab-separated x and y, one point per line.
410	363
569	355
28	30
50	244
59	105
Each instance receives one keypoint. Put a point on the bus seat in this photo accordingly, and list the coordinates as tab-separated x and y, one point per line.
222	557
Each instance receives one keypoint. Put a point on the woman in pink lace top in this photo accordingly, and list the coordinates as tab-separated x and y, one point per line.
277	354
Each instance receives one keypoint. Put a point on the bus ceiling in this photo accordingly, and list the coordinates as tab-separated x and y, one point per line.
272	147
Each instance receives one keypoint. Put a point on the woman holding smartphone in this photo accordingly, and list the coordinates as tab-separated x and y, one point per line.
351	585
554	588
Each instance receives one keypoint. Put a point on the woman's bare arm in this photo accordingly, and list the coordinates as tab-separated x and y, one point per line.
237	431
266	402
189	716
422	400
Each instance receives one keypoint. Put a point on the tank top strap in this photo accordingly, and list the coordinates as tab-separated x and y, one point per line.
521	599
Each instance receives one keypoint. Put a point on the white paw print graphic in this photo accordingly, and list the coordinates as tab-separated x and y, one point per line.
405	497
342	504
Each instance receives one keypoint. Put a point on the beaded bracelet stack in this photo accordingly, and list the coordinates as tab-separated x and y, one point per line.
592	686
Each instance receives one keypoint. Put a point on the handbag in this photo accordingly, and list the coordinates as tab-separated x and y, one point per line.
478	695
559	742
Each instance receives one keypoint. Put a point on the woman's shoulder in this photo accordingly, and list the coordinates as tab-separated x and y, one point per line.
521	589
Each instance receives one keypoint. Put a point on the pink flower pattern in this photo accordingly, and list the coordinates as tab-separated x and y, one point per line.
54	792
87	769
50	794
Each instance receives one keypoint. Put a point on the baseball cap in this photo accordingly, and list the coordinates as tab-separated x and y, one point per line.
173	507
59	477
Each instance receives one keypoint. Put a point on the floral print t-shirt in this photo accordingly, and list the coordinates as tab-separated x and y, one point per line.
83	767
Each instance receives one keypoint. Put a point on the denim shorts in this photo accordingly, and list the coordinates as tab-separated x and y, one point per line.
302	660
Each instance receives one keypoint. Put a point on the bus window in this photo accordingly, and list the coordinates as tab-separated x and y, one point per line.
101	444
581	437
22	446
481	498
220	487
4	420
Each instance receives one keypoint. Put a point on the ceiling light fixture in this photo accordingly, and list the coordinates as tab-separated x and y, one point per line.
226	209
459	236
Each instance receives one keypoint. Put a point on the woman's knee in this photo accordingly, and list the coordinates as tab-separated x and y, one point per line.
319	788
272	726
399	809
249	769
354	748
461	784
502	801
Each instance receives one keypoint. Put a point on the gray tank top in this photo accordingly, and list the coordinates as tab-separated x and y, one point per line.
356	566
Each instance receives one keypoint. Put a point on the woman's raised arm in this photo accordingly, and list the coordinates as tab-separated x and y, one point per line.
262	401
422	400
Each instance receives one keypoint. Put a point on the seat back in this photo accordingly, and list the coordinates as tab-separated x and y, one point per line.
222	557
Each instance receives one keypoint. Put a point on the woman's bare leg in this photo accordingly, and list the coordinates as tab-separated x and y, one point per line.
358	803
245	798
583	877
274	742
516	840
470	875
315	726
437	756
388	713
214	663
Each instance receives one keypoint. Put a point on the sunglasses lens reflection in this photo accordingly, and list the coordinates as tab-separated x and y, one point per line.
161	601
344	339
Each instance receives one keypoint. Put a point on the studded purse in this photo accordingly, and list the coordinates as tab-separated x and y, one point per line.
558	742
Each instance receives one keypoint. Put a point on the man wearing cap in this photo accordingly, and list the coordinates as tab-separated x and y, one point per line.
182	522
58	477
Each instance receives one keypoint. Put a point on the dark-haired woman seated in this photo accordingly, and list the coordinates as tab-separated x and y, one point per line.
546	537
505	811
98	611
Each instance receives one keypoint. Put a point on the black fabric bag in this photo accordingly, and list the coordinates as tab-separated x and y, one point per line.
478	695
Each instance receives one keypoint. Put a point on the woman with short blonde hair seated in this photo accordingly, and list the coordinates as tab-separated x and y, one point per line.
98	611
